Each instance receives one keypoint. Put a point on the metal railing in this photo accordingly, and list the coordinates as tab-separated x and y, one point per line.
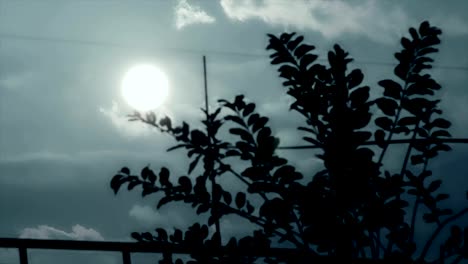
126	248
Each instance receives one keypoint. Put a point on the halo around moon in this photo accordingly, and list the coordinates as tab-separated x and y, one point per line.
145	87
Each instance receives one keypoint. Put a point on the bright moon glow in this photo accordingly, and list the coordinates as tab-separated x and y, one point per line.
145	87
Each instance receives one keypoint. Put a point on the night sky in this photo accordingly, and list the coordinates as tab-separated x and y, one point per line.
63	126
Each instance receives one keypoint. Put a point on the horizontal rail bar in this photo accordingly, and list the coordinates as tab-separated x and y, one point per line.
88	245
153	247
156	247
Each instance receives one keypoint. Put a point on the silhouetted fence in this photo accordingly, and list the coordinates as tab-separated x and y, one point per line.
126	248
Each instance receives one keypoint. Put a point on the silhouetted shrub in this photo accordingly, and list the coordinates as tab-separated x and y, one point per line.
354	207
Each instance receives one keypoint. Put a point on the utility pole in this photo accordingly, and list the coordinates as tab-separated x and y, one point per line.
210	154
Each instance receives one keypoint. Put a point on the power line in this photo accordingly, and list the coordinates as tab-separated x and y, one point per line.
122	46
395	141
13	36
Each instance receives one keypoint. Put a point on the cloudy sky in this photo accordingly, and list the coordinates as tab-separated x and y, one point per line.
63	131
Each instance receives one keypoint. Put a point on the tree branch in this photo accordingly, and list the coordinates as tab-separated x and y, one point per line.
437	231
289	236
242	179
415	208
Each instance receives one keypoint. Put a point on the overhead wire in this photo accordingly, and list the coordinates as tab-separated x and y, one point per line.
13	36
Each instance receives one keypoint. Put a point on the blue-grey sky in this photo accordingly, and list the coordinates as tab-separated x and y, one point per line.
63	131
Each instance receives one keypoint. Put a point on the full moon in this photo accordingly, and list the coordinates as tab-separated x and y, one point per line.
145	87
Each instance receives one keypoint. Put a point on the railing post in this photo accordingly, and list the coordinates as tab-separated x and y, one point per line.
126	257
23	254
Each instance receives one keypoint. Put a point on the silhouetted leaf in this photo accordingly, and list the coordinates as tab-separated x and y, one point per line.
294	43
391	88
442	196
147	236
235	119
216	192
303	49
306	129
406	43
408	121
434	185
203	208
426	51
379	136
194	163
240	199
125	170
276	161
418	89
249	108
422	132
132	185
148	188
136	236
162	234
355	78
145	173
199	138
307	60
252	119
424	28
239	102
401	69
152	177
401	129
227	197
384	122
440	133
288	72
244	134
441	123
312	140
359	96
116	182
417	159
166	121
186	184
388	106
163	201
441	147
177	237
151	118
282	59
164	176
260	123
414	34
215	113
284	171
416	105
286	37
232	153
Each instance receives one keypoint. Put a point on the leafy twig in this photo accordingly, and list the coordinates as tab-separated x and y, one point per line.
438	230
